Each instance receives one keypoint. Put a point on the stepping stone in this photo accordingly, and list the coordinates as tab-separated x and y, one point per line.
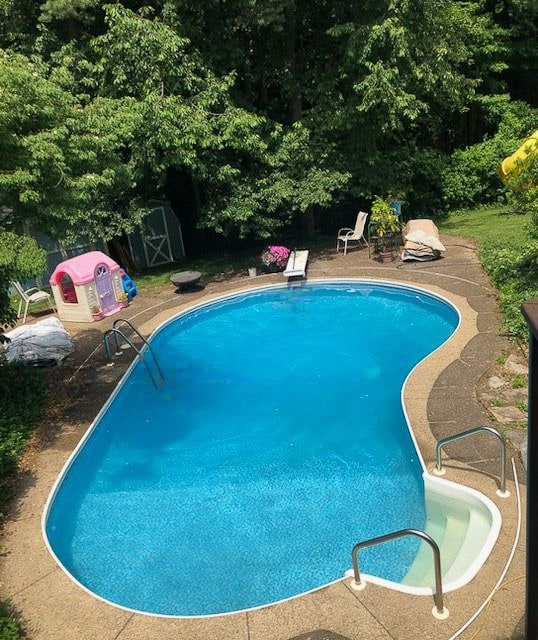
513	396
505	415
514	365
495	382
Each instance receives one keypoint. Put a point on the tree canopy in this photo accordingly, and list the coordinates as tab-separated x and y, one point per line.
258	113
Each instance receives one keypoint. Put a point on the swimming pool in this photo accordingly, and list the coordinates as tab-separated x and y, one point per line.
276	443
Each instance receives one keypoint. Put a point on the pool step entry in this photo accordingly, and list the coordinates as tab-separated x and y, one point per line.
155	373
459	530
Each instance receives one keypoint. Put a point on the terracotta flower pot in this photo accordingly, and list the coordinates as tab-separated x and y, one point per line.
386	256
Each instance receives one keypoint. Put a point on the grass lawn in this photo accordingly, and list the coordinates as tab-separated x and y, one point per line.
211	266
509	255
485	225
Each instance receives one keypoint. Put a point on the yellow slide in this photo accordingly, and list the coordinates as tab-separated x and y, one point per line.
513	163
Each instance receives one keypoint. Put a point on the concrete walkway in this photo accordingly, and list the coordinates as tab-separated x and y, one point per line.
440	400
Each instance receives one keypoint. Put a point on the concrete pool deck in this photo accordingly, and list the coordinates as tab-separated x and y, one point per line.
440	400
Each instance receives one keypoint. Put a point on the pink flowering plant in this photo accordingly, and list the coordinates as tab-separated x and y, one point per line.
275	256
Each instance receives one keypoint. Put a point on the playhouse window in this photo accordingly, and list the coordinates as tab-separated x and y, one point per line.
67	287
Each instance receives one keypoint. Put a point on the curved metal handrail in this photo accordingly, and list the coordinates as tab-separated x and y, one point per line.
457	436
144	340
438	594
116	332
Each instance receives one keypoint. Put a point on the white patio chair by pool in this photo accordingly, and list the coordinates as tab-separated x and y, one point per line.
29	297
347	234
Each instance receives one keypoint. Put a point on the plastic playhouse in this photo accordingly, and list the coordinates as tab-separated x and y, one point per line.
88	287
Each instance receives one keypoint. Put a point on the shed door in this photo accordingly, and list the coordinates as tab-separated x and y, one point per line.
103	286
155	238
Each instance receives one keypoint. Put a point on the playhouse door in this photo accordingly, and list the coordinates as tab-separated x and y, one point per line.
103	286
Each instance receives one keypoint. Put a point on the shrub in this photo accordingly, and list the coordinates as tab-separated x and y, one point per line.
22	395
523	194
514	271
424	192
10	629
471	175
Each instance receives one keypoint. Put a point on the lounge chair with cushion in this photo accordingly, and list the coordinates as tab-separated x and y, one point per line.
347	234
422	241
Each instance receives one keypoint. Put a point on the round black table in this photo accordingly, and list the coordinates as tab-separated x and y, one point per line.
184	280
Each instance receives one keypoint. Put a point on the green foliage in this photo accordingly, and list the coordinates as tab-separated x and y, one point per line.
471	176
407	58
289	176
111	100
22	395
10	629
514	271
509	256
523	195
163	63
20	258
423	190
519	381
382	218
59	160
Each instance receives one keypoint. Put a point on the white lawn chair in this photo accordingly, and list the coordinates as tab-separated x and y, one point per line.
347	234
30	297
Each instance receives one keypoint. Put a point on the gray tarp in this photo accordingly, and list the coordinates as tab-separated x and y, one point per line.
43	341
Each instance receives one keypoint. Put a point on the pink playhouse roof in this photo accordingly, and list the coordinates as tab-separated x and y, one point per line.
81	269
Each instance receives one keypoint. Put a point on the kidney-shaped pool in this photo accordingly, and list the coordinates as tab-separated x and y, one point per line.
277	442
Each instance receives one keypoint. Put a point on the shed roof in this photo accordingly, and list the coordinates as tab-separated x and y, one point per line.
81	269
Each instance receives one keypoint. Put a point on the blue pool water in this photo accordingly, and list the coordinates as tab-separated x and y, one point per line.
276	443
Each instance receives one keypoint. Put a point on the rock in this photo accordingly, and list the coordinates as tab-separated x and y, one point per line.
504	415
512	396
495	382
514	365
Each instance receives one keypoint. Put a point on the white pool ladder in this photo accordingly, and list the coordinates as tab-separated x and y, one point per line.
158	380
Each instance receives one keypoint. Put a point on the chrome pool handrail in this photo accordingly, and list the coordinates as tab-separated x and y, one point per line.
146	342
457	436
116	332
438	594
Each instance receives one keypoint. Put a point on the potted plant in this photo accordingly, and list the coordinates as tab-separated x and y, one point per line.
384	225
274	258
